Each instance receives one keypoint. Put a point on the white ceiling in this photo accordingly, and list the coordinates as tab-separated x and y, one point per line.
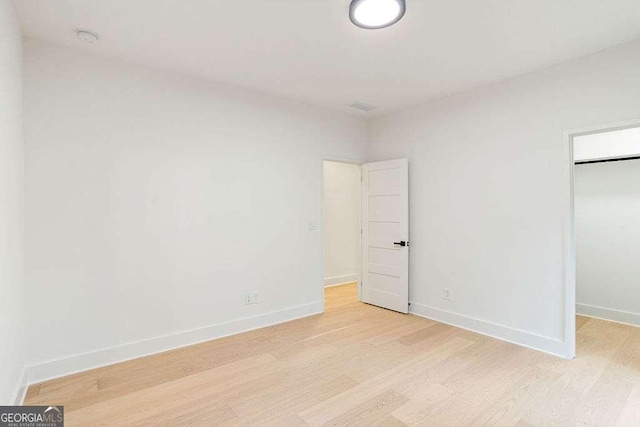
308	49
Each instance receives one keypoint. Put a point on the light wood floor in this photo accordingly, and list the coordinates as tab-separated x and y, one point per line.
361	365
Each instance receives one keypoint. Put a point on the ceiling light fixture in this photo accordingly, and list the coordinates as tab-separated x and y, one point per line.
87	36
374	14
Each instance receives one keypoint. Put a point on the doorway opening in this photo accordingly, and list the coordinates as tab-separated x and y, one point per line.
603	273
341	233
365	233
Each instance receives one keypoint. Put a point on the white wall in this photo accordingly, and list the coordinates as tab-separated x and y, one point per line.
607	218
607	145
490	199
11	208
341	223
154	202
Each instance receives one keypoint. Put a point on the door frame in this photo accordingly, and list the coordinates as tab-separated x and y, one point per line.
349	161
569	229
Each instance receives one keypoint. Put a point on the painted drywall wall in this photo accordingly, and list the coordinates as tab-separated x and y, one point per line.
341	223
155	202
616	144
490	196
607	224
11	208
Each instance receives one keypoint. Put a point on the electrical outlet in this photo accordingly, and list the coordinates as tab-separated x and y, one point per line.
250	299
446	294
312	226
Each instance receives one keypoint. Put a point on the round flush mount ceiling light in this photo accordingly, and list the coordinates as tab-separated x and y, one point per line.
374	14
87	36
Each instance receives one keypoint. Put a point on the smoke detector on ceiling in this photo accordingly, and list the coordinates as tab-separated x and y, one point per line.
87	36
362	106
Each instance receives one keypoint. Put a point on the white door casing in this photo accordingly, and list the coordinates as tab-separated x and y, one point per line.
385	234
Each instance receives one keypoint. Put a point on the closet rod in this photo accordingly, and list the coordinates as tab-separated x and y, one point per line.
584	162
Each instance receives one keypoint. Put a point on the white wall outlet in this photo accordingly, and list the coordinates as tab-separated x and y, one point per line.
446	294
313	225
250	299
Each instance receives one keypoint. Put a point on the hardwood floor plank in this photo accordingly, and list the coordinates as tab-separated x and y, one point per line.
626	361
518	399
358	364
344	402
604	402
33	392
389	422
212	385
432	330
277	414
630	414
199	413
580	321
367	413
423	403
78	386
397	333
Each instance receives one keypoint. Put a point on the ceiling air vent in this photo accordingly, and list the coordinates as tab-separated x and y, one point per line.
362	106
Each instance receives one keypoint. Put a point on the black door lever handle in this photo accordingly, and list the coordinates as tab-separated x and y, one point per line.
400	243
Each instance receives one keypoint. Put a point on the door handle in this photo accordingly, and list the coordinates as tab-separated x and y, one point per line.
400	243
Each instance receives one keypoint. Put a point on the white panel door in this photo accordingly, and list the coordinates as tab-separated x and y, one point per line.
385	234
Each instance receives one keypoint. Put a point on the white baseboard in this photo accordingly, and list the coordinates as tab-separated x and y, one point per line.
82	362
21	389
494	330
611	314
341	280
